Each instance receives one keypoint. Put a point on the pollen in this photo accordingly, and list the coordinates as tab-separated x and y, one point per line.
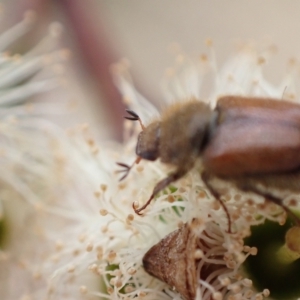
237	197
103	212
281	219
253	251
59	245
89	247
93	268
82	237
122	185
203	58
85	127
216	205
171	198
37	275
131	271
198	254
111	256
293	202
103	187
110	290
90	142
83	290
76	252
99	255
130	218
266	293
104	229
118	283
225	281
226	197
235	288
217	296
97	194
71	269
246	248
95	150
248	294
261	60
128	289
99	249
126	100
140	169
202	195
142	294
182	190
209	42
247	282
136	204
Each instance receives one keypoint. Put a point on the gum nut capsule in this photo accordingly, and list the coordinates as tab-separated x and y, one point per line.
173	261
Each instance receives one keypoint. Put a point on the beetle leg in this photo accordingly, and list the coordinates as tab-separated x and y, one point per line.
205	178
159	187
127	168
272	198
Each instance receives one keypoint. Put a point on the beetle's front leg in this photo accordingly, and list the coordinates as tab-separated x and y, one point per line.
205	178
159	187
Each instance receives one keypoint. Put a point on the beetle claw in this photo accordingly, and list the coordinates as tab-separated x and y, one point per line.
139	210
131	118
126	169
132	113
123	165
134	116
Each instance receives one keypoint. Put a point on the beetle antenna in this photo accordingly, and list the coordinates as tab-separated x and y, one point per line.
134	117
126	168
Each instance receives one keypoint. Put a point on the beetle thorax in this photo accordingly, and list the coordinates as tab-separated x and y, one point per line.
183	133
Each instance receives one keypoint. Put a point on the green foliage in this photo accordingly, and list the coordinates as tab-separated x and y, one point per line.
2	232
265	269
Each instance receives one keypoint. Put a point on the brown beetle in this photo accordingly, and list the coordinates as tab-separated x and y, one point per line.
250	141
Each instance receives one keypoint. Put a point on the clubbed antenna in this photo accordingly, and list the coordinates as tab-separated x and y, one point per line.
127	168
134	117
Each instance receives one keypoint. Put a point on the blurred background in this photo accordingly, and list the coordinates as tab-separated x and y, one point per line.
101	32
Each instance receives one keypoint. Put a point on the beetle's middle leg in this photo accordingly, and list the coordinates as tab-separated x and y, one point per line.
205	178
160	186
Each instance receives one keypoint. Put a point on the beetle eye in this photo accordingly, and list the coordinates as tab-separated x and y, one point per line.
148	142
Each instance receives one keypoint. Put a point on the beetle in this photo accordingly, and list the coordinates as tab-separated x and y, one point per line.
249	141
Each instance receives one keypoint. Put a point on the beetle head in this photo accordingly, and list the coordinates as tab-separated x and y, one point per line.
148	142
